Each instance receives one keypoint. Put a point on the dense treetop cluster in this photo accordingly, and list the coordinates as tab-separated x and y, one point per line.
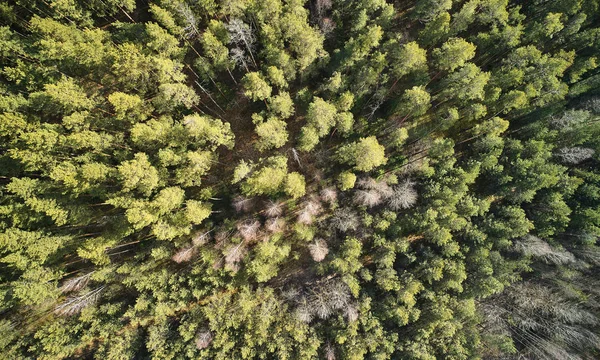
293	179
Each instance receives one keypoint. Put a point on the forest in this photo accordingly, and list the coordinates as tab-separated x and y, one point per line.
300	179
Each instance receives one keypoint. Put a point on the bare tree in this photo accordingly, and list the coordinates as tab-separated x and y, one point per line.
327	297
381	187
296	156
221	238
249	229
75	284
368	198
321	6
329	352
322	300
326	25
570	119
239	57
574	155
593	105
339	293
201	238
191	29
275	225
292	294
235	253
309	210
404	196
546	322
344	219
329	195
590	254
242	204
203	338
304	313
305	218
74	304
533	246
274	208
318	250
320	305
366	183
351	312
241	33
184	255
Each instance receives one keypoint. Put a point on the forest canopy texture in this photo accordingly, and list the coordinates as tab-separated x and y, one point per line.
292	179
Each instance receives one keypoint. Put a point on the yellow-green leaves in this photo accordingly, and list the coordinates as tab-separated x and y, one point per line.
363	155
138	174
295	186
256	87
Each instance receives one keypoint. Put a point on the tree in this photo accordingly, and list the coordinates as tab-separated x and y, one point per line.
214	47
282	105
427	10
321	116
272	134
64	97
364	155
453	54
162	42
173	95
138	174
309	138
344	122
255	87
276	77
268	179
435	30
399	137
346	180
415	101
408	58
127	105
295	185
467	83
207	131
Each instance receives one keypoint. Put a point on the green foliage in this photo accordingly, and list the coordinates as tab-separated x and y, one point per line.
295	186
408	58
415	101
346	180
269	179
282	105
256	87
321	116
272	134
364	155
453	54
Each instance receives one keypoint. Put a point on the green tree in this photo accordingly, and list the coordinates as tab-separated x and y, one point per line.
272	134
295	186
363	155
269	179
255	87
453	54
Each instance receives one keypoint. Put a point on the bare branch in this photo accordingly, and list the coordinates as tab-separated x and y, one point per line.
76	283
74	304
318	250
203	338
404	196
